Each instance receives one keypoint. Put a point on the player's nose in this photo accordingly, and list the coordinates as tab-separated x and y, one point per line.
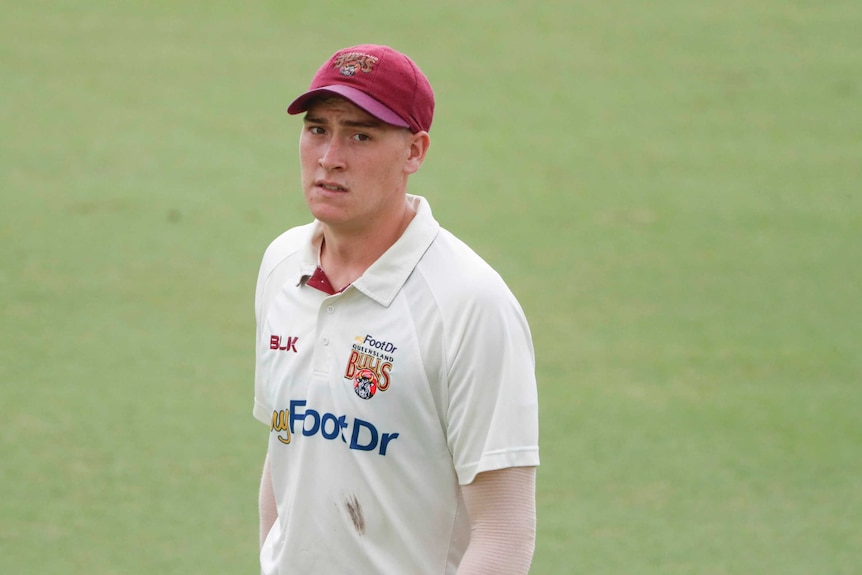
331	155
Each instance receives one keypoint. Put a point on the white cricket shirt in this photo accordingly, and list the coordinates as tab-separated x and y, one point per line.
385	398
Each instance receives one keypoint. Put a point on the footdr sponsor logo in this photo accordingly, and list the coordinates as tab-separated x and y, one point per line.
369	341
355	433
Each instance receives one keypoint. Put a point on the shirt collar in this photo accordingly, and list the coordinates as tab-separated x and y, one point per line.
310	252
385	277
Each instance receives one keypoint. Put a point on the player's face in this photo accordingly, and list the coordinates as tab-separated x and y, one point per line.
355	167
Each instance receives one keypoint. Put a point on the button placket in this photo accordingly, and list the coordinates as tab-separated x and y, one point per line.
324	354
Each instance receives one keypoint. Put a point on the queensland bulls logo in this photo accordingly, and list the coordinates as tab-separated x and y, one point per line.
349	63
369	366
365	383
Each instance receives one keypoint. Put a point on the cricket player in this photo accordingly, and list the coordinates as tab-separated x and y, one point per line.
394	367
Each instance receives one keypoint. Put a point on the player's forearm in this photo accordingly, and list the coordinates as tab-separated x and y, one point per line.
502	508
266	502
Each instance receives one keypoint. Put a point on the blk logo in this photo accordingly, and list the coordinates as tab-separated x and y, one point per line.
283	343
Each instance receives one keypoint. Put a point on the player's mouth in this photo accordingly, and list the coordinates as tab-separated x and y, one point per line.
329	186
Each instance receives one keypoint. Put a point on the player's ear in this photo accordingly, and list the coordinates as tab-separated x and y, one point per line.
419	143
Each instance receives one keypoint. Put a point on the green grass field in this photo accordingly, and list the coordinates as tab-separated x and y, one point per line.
672	189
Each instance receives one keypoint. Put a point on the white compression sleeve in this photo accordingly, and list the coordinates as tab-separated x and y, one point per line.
266	502
502	509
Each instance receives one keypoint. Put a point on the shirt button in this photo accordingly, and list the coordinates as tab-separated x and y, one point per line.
324	340
331	309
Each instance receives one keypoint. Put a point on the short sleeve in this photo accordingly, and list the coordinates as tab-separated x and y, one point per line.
492	414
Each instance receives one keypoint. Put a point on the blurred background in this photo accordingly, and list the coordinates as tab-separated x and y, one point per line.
671	188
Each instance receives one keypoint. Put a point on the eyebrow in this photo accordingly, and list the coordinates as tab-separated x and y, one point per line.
367	124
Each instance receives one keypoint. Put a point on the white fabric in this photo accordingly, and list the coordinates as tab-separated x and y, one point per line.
372	485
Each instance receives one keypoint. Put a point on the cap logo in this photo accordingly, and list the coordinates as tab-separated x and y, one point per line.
349	63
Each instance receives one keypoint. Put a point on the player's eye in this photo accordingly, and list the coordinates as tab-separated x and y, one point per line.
361	137
317	130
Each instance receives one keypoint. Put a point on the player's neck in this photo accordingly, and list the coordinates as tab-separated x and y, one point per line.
345	254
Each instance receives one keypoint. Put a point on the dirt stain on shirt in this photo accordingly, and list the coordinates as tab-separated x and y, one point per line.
354	510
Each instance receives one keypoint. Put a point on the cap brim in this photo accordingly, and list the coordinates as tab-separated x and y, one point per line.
357	97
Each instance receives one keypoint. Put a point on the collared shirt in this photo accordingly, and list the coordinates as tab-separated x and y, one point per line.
384	398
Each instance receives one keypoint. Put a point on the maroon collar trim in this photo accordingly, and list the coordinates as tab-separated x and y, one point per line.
319	281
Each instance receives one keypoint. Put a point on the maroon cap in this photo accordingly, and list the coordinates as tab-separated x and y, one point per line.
380	80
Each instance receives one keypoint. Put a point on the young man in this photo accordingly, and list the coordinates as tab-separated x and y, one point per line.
394	367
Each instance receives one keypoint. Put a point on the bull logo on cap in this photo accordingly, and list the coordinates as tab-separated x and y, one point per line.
349	63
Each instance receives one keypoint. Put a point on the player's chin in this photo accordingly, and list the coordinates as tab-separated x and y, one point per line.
328	210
